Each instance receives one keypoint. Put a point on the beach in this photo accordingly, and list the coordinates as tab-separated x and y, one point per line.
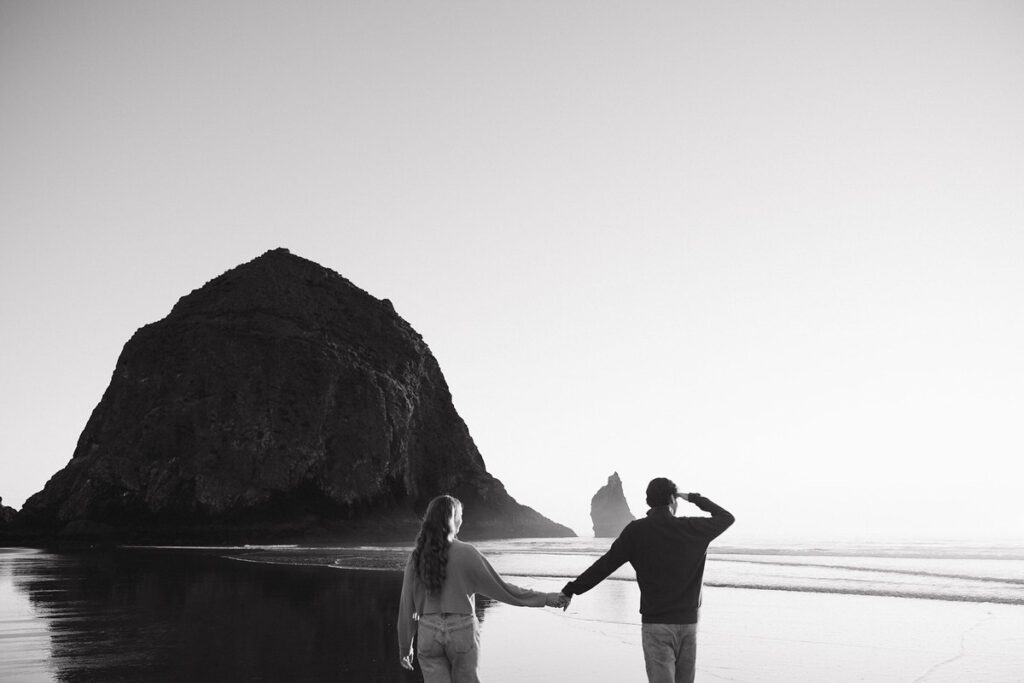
297	614
135	615
753	635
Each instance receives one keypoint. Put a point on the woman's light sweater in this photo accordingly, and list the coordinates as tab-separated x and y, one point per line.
467	573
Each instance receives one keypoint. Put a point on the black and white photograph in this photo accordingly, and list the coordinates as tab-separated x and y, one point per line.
452	341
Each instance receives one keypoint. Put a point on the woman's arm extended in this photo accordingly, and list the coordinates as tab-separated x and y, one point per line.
488	582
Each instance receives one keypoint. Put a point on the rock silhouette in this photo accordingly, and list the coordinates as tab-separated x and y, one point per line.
277	400
608	509
6	514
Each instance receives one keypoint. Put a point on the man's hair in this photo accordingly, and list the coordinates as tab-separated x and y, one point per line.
661	491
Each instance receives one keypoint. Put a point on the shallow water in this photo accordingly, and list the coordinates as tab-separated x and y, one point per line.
134	615
935	571
311	614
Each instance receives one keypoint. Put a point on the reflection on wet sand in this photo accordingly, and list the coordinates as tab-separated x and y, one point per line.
162	615
24	638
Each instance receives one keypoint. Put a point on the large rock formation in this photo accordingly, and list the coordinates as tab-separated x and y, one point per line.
609	510
277	400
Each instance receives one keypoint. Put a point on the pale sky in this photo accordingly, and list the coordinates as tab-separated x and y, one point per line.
772	250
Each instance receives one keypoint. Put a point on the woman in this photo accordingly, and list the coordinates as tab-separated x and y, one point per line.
441	578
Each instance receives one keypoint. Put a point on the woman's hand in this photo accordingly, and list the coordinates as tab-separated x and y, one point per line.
407	661
557	600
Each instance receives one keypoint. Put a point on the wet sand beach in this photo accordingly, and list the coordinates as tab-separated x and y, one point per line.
134	615
166	615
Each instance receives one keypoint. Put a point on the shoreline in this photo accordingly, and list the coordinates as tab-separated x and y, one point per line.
200	616
391	556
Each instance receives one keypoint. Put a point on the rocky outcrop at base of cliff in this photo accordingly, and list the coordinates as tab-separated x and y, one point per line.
6	514
609	510
277	400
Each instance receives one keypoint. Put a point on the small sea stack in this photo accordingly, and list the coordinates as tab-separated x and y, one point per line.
608	509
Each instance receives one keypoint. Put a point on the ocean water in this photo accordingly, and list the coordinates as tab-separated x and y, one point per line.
952	571
773	612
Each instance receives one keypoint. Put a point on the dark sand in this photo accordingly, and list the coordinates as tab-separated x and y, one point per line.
149	615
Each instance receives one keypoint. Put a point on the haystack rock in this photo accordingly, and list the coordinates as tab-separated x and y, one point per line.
609	510
278	400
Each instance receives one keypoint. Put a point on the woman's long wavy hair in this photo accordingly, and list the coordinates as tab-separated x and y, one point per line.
430	556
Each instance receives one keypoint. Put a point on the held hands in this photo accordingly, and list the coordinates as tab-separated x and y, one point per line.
559	600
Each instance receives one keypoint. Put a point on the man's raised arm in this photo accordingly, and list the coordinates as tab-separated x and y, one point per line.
720	520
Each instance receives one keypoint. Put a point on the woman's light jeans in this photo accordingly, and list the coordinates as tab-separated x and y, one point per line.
448	648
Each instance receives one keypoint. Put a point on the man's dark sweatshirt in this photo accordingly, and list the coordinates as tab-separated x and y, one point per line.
668	555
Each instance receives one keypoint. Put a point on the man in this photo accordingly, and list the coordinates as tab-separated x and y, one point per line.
668	555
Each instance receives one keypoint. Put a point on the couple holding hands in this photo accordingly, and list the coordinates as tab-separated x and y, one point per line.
444	574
